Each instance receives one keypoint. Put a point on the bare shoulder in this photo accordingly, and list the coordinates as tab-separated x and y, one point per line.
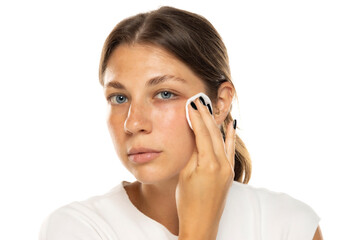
318	235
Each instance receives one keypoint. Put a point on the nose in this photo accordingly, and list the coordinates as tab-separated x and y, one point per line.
138	118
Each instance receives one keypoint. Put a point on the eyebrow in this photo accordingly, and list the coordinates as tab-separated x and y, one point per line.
152	82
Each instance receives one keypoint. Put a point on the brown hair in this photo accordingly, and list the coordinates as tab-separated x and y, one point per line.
194	41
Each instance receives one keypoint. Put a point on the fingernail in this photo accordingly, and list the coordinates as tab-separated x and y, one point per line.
202	100
193	105
209	108
234	124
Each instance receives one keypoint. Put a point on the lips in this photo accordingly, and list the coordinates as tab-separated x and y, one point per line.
138	150
143	157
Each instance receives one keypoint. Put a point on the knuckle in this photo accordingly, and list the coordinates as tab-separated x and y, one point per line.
214	168
202	155
205	132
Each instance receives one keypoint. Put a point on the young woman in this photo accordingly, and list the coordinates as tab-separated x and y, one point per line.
191	182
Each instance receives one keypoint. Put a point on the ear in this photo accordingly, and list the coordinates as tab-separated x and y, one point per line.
222	107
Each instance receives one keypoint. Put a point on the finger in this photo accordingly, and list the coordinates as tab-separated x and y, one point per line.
218	143
203	140
230	141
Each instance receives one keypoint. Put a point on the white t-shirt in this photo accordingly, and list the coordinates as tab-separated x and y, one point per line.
250	213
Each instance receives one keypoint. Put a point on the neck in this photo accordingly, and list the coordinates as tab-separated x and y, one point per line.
157	201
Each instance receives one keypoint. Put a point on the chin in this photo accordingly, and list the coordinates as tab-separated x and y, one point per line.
155	177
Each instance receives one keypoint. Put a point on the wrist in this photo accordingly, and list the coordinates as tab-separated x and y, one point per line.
197	236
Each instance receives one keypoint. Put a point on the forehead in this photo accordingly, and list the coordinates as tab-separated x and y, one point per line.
143	62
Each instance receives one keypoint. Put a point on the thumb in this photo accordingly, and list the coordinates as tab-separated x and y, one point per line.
190	167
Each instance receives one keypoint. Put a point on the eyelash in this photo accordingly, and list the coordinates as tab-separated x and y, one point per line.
113	95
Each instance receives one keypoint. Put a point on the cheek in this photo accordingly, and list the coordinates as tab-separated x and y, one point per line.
115	122
175	131
171	119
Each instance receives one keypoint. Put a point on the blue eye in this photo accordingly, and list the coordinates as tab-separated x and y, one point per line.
119	99
166	94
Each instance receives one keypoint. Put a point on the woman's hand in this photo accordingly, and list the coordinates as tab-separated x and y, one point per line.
204	182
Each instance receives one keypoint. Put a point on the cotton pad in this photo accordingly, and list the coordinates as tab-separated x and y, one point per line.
206	99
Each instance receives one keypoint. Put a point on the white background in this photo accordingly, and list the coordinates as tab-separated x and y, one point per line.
295	66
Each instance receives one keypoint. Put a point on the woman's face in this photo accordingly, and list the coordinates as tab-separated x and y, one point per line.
150	115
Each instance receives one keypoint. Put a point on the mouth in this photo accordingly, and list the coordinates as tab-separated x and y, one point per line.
143	157
139	150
